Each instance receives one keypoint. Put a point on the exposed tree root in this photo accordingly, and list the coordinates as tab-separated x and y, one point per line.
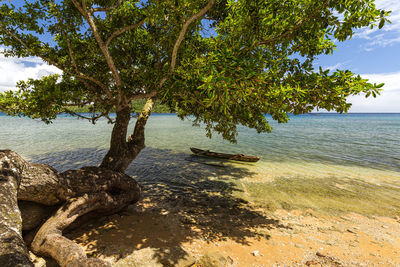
75	193
49	240
13	251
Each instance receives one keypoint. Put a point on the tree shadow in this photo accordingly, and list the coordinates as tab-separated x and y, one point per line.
184	198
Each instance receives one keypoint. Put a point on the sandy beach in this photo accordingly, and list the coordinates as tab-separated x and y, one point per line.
289	107
197	211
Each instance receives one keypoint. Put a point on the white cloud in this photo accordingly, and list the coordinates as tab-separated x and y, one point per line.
391	80
15	69
388	101
394	6
389	34
340	65
334	67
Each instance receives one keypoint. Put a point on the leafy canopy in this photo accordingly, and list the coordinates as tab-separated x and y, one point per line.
225	62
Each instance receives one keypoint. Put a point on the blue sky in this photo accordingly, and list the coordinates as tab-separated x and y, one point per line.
374	54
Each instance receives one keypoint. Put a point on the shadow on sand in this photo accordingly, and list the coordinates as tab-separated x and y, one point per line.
184	198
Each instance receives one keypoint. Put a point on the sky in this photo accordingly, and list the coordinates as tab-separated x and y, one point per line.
374	54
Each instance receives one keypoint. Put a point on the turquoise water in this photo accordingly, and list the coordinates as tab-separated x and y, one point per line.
307	142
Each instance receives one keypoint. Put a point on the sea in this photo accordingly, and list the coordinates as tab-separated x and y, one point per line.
311	144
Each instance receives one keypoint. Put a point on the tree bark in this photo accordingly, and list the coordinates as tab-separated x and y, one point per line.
89	189
13	251
122	151
49	240
72	194
40	190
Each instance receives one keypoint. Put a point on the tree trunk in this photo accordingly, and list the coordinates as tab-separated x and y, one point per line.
72	194
40	190
13	251
122	151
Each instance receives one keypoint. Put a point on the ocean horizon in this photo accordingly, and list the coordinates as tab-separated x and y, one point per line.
369	140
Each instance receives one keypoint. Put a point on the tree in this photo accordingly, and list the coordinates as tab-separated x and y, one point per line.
224	62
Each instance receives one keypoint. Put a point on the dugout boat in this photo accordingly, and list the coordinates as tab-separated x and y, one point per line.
238	157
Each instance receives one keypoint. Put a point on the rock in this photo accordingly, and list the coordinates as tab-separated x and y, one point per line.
212	259
330	243
255	253
140	258
309	212
150	257
165	212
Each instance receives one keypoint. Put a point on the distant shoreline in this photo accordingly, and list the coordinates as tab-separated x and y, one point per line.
137	106
367	113
162	112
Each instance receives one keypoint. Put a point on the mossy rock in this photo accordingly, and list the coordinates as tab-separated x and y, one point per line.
213	259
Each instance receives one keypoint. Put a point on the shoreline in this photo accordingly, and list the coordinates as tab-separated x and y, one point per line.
305	193
238	215
330	189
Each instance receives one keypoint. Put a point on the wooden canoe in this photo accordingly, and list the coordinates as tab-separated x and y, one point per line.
238	157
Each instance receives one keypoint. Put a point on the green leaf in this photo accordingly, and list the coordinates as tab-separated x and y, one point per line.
381	23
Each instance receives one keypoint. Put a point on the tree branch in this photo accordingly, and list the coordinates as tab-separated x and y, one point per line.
71	53
78	75
76	104
92	119
141	96
181	36
110	62
122	30
137	139
75	65
295	27
110	121
106	9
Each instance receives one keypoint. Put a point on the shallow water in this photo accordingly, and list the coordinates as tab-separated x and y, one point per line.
332	163
356	140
